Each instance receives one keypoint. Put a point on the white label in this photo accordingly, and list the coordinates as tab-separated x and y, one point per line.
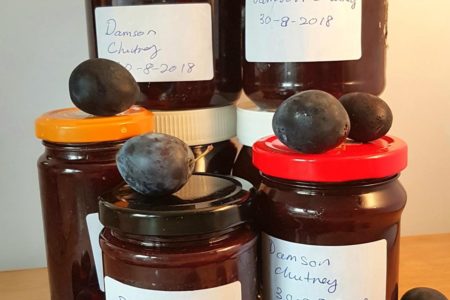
302	30
116	290
171	42
94	228
293	271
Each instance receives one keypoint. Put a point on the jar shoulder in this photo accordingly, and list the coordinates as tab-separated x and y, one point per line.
377	198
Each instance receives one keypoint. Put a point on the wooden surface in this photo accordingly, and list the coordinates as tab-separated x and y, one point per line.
424	261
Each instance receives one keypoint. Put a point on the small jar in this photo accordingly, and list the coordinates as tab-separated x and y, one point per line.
195	244
78	165
184	54
252	124
292	46
200	129
331	222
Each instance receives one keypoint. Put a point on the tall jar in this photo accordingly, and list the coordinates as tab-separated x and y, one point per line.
207	131
77	166
184	53
335	46
331	222
198	243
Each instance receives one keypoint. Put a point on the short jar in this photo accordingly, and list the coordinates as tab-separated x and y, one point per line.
253	123
77	166
292	46
184	54
208	132
331	222
198	243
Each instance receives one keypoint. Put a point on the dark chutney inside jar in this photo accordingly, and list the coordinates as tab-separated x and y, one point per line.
71	178
244	168
270	83
334	215
226	84
198	238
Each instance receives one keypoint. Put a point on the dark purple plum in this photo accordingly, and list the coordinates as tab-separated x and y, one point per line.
102	87
312	121
155	164
423	293
370	116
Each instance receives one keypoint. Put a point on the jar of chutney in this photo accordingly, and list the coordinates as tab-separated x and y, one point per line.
77	166
330	222
292	46
184	54
198	243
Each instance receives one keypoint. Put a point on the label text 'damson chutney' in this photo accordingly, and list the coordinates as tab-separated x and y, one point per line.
183	53
330	222
78	166
195	244
292	46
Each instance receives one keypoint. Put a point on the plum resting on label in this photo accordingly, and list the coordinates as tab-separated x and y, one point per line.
312	121
370	116
155	164
423	293
102	87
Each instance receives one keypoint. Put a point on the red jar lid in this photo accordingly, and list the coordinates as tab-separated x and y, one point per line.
350	161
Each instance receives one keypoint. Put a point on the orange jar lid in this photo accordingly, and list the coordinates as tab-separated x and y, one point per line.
71	125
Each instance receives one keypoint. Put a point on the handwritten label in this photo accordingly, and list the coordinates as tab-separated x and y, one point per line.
116	290
293	271
159	43
94	228
303	30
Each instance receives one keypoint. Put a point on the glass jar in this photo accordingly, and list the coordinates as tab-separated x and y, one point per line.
252	124
184	54
292	46
196	244
77	166
331	222
200	129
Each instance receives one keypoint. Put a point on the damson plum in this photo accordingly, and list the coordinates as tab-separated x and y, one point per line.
423	293
102	87
155	164
370	116
312	121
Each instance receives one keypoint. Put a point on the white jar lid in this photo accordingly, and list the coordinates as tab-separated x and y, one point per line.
198	126
253	123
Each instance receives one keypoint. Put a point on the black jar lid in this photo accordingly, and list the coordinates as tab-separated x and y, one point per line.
207	203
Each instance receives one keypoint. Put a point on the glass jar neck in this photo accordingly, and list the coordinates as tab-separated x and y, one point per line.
178	241
99	151
329	185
